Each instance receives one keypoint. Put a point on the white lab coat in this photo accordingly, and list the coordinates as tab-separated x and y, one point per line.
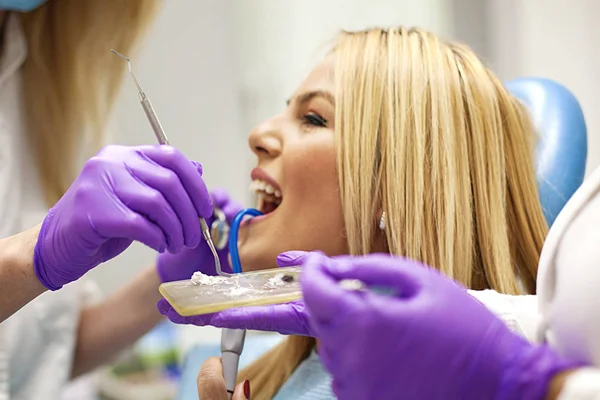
37	342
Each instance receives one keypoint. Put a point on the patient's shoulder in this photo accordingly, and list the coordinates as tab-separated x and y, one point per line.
519	312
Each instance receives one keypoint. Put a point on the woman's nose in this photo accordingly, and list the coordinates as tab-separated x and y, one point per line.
266	139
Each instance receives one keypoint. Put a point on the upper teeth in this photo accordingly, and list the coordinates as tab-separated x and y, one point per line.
258	185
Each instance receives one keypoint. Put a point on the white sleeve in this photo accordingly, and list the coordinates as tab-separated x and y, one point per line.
582	385
519	313
569	277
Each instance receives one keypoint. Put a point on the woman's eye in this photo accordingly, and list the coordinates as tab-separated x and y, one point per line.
315	120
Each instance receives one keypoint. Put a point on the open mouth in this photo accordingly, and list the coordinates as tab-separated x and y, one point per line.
268	193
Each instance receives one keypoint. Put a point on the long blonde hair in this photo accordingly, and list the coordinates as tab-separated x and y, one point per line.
71	79
427	134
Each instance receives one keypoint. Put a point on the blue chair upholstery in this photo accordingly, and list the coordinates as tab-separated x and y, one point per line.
562	146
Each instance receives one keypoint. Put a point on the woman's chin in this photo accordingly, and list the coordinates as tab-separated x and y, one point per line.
255	261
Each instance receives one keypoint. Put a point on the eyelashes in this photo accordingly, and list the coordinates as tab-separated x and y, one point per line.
314	120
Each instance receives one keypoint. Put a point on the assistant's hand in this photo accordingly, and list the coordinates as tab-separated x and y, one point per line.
429	340
287	319
180	266
150	194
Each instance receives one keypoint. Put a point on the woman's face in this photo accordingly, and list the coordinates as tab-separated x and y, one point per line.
296	178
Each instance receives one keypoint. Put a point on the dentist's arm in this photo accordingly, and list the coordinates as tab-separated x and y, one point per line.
109	327
18	283
150	194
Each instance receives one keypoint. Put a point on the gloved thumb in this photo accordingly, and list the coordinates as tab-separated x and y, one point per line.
292	258
383	271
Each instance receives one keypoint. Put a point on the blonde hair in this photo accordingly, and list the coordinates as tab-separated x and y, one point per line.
427	134
71	79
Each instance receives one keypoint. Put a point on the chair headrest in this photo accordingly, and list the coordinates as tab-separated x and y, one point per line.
562	143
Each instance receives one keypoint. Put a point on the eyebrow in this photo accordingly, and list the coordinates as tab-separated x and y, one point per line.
306	97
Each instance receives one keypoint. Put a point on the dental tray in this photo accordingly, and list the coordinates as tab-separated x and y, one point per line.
212	294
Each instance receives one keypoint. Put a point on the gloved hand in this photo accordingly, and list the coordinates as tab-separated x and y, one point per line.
287	319
180	266
150	194
429	340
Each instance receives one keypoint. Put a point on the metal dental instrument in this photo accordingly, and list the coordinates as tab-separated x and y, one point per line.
160	134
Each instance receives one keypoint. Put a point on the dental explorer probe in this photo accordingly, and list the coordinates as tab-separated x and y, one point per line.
160	134
232	340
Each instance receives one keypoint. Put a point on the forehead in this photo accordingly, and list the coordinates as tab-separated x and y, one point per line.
319	79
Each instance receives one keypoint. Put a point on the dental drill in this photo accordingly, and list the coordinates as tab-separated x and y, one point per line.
160	134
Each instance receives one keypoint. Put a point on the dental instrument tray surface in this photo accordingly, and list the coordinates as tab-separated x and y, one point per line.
209	294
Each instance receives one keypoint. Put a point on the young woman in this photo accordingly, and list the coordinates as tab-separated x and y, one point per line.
399	143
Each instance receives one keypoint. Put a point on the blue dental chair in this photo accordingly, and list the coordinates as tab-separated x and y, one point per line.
560	168
562	144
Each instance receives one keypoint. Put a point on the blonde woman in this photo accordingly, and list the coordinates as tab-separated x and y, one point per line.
398	143
57	82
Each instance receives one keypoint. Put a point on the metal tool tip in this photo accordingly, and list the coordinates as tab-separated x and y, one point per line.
120	55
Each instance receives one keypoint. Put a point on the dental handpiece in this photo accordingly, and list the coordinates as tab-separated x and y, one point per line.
161	136
232	344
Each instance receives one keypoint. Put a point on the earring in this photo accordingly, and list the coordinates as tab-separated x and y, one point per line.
382	221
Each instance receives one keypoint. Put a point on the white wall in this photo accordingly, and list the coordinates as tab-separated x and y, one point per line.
280	41
560	40
215	68
556	39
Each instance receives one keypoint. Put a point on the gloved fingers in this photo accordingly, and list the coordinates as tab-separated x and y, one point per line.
211	384
219	197
292	258
169	185
152	205
231	209
403	275
188	173
163	307
130	226
231	318
323	296
286	318
168	311
229	206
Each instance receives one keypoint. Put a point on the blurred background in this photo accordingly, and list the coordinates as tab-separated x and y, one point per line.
215	68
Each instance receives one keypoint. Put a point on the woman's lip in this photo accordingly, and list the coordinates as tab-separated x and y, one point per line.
261	174
259	218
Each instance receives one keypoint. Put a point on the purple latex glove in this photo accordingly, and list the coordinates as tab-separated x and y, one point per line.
150	194
180	266
429	340
287	319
